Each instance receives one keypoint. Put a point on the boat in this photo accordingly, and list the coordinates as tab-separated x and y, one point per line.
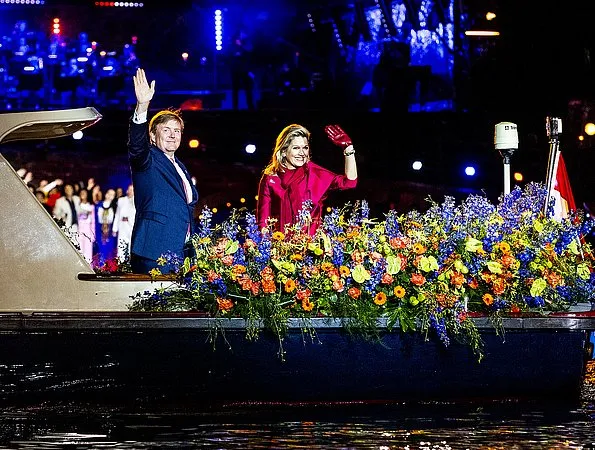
66	332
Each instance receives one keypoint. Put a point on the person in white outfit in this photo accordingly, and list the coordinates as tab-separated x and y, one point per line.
67	208
124	222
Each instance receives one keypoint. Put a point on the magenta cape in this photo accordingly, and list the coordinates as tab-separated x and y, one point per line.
281	196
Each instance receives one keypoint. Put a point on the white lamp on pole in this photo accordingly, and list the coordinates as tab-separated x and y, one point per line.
506	141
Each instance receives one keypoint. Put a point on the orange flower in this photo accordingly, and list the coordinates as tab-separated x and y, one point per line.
473	284
326	266
398	242
212	276
268	286
553	279
488	299
338	285
403	259
457	279
354	292
307	305
399	291
499	286
227	260
486	276
224	304
419	248
296	257
237	270
508	260
303	294
357	257
387	278
267	274
418	279
255	287
290	285
344	271
380	298
514	309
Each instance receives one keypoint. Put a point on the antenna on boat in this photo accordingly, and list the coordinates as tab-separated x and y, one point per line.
506	141
553	126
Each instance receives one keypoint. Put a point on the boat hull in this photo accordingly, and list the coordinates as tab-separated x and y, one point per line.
174	359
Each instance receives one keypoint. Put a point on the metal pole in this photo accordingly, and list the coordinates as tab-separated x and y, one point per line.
553	127
506	177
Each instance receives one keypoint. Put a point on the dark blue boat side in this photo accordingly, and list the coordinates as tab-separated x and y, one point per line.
149	357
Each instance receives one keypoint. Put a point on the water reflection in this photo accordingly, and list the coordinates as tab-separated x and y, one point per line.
423	426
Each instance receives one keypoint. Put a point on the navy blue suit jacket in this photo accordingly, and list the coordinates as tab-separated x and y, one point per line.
162	212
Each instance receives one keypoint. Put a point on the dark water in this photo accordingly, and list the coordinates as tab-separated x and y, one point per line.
496	425
425	426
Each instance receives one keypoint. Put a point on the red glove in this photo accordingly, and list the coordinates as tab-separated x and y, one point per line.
336	134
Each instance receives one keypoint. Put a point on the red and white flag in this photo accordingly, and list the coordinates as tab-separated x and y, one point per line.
562	192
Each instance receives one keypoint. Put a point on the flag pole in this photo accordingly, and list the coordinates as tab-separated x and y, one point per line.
553	126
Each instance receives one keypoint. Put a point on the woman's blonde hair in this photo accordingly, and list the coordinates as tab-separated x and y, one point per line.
282	143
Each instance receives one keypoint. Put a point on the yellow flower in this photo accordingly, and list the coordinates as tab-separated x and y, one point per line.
399	291
418	248
307	305
344	271
488	299
161	261
326	266
278	236
504	247
380	298
154	272
296	257
290	285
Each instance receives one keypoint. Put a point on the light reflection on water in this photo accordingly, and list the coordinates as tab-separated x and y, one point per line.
427	426
423	426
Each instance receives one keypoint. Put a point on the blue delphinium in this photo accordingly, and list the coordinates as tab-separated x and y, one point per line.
338	250
440	326
204	223
230	227
304	215
252	231
263	257
376	273
391	225
331	223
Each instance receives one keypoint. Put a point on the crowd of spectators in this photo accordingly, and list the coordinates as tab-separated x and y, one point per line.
100	219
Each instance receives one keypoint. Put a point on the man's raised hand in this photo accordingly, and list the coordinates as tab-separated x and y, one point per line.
144	92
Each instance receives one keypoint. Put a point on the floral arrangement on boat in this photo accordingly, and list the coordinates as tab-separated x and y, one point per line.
420	272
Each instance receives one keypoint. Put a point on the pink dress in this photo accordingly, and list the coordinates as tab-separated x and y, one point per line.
86	230
281	196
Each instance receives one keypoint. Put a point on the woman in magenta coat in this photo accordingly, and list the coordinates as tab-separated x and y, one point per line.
291	178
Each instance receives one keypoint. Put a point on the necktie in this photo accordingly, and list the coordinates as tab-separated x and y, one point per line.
187	188
185	183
